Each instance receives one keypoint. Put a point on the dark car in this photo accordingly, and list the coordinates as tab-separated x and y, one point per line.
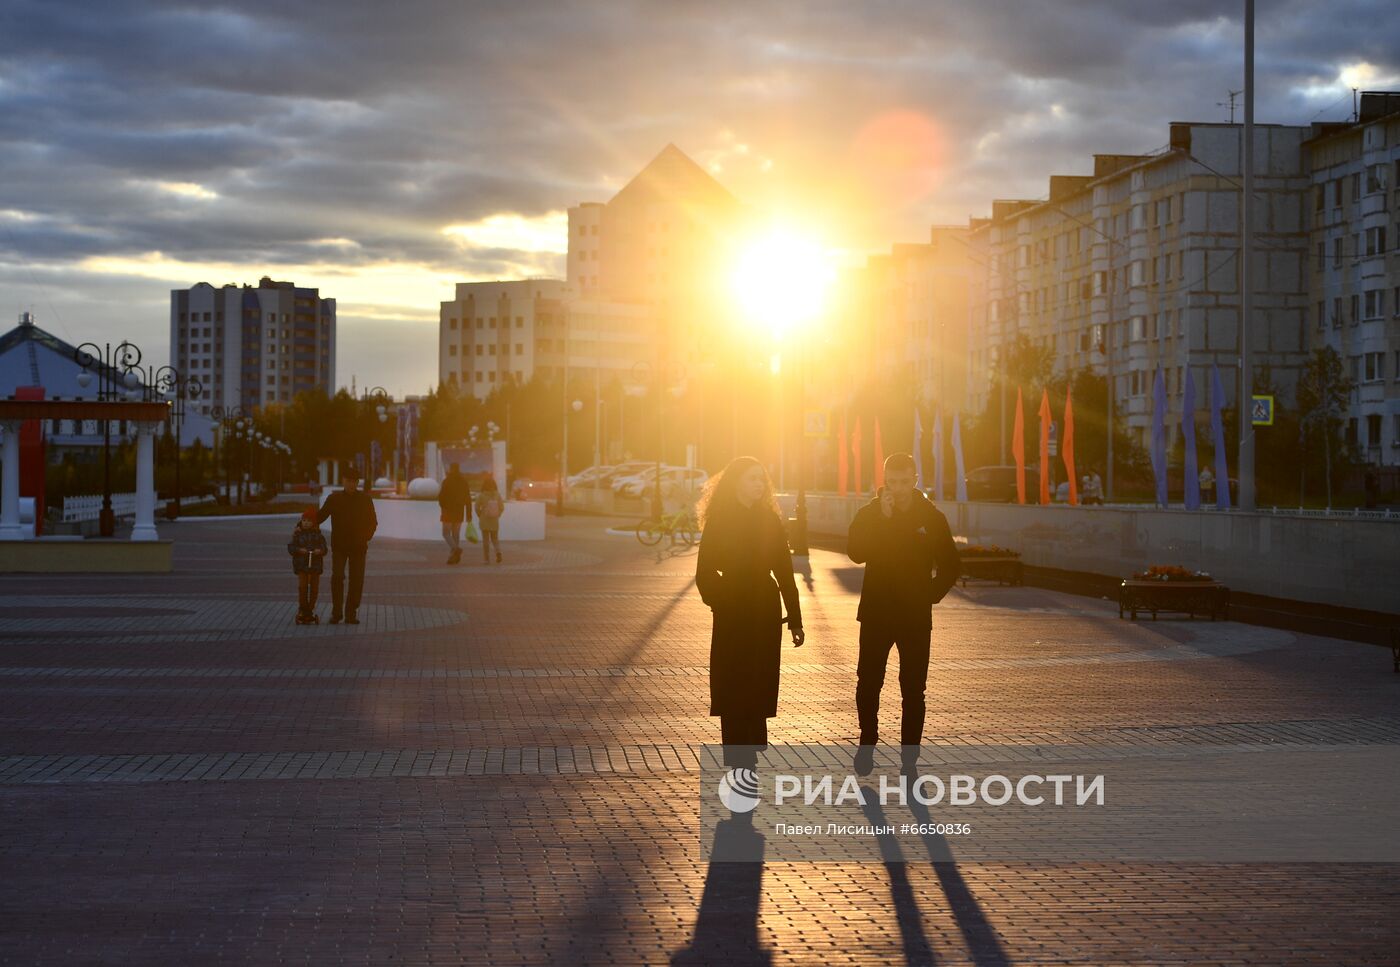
998	485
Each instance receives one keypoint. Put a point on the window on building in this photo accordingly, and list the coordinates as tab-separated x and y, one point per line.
520	322
1374	367
272	334
1375	240
1355	309
272	381
519	349
1322	315
1319	197
452	351
480	350
480	323
1337	193
1338	317
1375	303
1337	244
1375	178
491	376
1373	429
493	322
1351	432
451	323
1355	186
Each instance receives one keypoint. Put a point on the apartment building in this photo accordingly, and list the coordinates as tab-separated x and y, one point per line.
1354	272
250	346
1136	266
494	333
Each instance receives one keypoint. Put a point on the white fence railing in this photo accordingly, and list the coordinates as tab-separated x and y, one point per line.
89	506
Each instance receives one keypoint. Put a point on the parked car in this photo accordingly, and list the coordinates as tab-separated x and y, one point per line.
627	469
998	485
589	477
525	489
632	485
641	484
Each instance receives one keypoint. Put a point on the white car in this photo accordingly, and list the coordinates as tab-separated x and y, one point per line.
640	484
588	477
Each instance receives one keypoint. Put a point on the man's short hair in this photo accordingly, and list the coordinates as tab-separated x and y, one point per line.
350	473
899	461
454	465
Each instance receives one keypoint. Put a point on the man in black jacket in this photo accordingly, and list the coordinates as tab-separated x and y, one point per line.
455	502
902	539
353	523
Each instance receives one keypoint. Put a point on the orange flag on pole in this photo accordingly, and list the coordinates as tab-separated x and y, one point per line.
1045	446
879	458
1067	450
1018	448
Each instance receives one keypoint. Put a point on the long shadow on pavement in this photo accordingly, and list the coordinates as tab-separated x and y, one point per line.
726	925
917	949
978	934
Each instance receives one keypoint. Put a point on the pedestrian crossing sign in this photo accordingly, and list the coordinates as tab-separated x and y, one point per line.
1262	411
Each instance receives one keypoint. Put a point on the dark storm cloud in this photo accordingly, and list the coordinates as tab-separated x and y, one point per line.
383	123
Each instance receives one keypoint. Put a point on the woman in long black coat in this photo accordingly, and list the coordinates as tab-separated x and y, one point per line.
744	573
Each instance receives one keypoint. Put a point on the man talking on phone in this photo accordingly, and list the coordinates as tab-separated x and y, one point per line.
910	563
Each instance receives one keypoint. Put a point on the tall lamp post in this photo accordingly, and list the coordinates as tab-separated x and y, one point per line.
380	399
118	377
229	418
167	383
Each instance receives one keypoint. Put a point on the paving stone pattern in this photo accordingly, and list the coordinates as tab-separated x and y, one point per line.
499	766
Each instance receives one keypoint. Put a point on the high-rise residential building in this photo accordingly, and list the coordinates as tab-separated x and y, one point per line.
911	310
494	333
252	346
1136	267
1353	269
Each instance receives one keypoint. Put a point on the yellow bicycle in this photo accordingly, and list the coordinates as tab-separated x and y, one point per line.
680	524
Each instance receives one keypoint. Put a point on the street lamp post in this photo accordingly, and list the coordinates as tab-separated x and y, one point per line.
106	360
229	418
164	382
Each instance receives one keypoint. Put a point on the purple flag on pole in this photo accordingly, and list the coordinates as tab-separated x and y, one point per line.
1188	431
1159	436
1217	439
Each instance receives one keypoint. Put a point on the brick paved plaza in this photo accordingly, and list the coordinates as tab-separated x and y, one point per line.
500	766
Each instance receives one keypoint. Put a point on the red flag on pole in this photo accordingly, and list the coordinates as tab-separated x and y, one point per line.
855	456
842	459
1045	446
1018	448
1067	450
879	459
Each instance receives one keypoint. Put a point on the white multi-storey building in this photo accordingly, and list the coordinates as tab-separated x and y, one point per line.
1137	266
251	346
1354	270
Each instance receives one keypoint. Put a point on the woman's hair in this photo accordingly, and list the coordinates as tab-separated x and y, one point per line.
720	493
489	484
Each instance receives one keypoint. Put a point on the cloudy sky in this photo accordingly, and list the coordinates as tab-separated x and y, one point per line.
384	151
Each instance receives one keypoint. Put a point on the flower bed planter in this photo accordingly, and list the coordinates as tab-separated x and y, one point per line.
990	564
1189	597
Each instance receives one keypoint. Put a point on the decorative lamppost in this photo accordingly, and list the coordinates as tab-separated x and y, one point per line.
164	383
228	418
117	378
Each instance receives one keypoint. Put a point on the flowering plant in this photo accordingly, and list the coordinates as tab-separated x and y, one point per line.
1170	572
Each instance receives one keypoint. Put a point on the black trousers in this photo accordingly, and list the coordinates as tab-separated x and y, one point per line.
875	642
741	734
354	558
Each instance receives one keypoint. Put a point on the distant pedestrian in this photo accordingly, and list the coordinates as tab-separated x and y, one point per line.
489	508
1092	487
1205	480
455	500
308	550
353	523
910	563
744	573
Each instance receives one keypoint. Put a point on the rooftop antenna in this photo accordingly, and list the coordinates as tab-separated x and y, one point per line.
1230	104
1355	111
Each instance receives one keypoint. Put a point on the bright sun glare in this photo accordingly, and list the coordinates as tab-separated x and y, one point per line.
781	280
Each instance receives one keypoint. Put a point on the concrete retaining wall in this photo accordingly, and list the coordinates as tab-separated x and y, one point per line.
1349	562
